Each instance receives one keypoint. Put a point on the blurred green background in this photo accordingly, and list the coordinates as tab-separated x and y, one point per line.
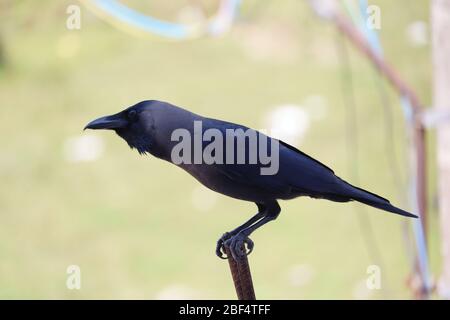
139	227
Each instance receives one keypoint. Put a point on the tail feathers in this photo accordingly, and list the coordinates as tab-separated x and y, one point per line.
374	200
386	206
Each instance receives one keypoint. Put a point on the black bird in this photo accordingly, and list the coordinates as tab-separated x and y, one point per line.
149	127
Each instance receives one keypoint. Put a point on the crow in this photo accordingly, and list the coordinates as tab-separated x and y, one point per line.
230	159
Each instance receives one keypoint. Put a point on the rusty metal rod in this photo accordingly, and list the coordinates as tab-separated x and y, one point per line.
242	277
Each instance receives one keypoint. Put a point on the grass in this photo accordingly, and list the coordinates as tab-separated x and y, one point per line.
129	221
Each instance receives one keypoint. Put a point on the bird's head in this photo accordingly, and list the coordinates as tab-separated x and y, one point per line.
134	124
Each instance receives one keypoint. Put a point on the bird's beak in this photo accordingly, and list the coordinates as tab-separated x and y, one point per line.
109	122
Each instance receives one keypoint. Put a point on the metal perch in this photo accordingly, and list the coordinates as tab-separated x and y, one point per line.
242	277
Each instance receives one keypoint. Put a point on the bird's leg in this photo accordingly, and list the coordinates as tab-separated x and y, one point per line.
228	235
220	251
236	242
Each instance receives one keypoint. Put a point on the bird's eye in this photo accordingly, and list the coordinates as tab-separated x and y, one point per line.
132	114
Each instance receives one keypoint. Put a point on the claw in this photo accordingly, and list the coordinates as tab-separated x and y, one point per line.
220	246
249	245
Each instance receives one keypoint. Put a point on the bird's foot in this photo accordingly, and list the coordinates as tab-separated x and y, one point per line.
220	246
240	245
